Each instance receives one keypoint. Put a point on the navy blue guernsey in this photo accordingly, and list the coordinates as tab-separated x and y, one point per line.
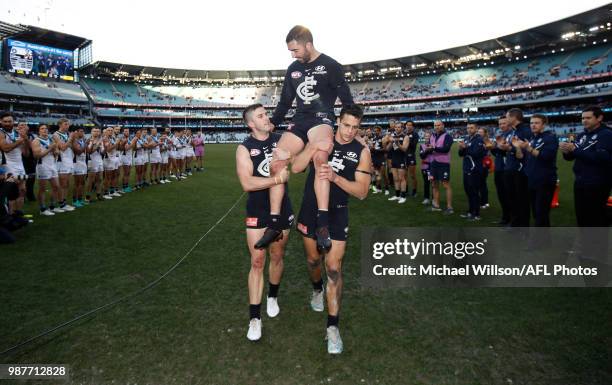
258	202
377	146
542	170
317	85
397	140
344	160
412	144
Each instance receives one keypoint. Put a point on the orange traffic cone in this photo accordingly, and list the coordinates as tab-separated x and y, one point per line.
555	201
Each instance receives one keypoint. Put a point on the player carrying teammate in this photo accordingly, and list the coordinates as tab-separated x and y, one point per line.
348	171
253	158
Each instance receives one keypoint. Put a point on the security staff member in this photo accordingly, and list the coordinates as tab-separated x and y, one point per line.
592	156
540	166
472	151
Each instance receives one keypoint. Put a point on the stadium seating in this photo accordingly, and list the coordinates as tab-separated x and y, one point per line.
38	88
552	69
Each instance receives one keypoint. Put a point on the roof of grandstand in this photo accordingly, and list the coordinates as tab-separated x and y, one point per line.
568	33
41	36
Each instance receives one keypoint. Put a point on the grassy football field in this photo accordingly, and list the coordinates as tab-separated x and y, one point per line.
191	327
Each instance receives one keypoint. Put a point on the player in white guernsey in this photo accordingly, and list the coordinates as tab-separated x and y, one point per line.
64	139
79	148
179	143
164	148
189	153
108	161
95	167
146	169
171	153
117	167
137	145
154	155
126	159
45	150
11	143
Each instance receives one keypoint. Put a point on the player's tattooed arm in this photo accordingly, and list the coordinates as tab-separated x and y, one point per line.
358	188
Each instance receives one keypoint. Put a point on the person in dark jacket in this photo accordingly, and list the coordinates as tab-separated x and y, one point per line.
472	150
540	155
592	156
499	149
515	171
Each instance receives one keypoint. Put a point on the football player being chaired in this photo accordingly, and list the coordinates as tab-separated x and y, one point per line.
253	159
317	80
348	172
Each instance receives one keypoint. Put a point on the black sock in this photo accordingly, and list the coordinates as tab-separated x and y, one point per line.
273	290
403	194
255	311
397	193
88	197
332	320
318	286
378	186
275	222
414	191
322	218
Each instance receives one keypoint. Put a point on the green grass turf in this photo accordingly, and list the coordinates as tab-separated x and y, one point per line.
191	328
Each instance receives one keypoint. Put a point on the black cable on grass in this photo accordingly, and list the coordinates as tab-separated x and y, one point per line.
125	297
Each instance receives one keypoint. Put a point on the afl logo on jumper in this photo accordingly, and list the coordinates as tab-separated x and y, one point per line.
296	74
304	90
255	152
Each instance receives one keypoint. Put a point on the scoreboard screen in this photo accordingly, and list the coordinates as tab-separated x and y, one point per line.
30	58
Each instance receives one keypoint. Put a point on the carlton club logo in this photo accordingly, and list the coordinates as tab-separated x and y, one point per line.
304	90
264	166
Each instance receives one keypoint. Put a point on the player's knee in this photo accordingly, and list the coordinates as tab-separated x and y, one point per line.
334	273
257	262
277	165
276	257
314	262
320	157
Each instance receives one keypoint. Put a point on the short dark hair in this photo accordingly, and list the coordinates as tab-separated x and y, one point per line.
542	117
247	111
409	121
353	110
516	113
6	114
300	34
597	112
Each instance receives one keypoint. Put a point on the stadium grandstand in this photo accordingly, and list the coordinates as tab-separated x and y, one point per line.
555	68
